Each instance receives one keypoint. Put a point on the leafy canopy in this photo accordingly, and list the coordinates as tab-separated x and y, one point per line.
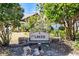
57	11
10	11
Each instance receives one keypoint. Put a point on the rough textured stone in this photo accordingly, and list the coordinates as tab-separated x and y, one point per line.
55	49
36	52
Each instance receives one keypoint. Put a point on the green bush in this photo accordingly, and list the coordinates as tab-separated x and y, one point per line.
77	35
57	33
5	37
24	27
61	28
62	33
76	44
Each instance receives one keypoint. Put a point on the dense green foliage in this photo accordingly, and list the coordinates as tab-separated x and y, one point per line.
10	14
63	13
61	28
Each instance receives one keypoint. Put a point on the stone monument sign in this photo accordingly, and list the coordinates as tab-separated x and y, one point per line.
39	36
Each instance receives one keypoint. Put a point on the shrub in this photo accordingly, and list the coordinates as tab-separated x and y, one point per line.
77	35
61	28
5	37
62	34
76	45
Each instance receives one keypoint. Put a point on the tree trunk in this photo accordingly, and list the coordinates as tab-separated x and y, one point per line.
70	33
6	36
73	31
